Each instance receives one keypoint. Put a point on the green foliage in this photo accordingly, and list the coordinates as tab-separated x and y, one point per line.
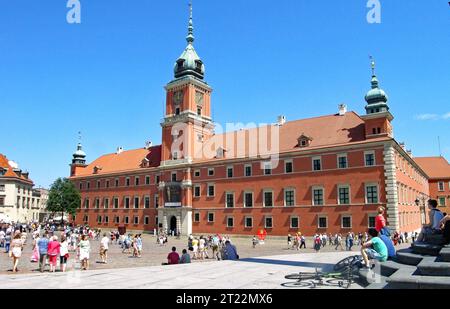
63	197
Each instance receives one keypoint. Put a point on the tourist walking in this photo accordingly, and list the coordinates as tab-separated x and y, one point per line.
53	252
339	242
139	245
16	250
63	253
289	241
43	250
104	247
255	242
35	254
303	242
84	249
317	243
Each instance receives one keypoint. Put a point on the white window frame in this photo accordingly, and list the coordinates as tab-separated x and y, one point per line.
232	218
134	220
267	166
265	222
253	199
349	194
226	199
149	201
292	164
371	184
197	171
264	197
323	195
439	186
211	169
199	191
245	170
211	185
245	221
374	158
134	202
106	201
126	220
146	220
284	196
116	219
342	155
156	198
173	174
318	221
312	163
148	180
290	222
127	182
195	214
214	217
232	171
342	221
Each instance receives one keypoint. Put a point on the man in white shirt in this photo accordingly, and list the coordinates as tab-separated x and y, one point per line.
104	246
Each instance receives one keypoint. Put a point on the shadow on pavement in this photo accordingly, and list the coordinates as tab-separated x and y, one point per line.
322	266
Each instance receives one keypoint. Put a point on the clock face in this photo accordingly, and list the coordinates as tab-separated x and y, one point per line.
178	97
199	97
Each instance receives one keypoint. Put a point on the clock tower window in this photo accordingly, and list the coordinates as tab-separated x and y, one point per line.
199	110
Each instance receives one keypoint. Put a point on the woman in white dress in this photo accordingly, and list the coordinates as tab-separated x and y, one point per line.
84	248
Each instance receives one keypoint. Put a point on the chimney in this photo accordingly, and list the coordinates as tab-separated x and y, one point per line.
119	150
409	152
281	120
402	145
148	145
342	109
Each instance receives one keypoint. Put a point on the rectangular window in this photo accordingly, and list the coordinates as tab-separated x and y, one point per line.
268	222
369	158
127	202
289	197
86	203
371	223
127	181
268	199
294	223
136	202
197	217
106	220
346	222
442	201
116	202
116	182
136	181
81	187
156	201
97	203
147	181
157	179
136	220
2	201
210	172
197	173
99	219
248	222
126	220
146	220
371	194
248	199
229	200
323	222
317	163
230	221
344	195
174	176
88	185
230	172
116	219
248	170
147	202
288	167
98	184
196	191
441	186
107	184
210	217
86	219
267	168
156	221
342	161
211	190
106	203
317	196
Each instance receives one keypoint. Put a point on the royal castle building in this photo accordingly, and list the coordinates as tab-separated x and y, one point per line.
323	174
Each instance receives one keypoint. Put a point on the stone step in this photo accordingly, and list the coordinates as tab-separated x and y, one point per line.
426	249
408	257
389	267
435	239
431	267
445	254
406	280
368	278
385	270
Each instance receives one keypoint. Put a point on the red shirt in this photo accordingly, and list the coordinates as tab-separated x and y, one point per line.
53	248
380	222
173	258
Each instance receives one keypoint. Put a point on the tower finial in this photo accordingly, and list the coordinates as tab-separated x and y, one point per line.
190	36
79	136
372	64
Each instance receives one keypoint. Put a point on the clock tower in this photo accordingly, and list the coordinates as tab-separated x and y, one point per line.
187	122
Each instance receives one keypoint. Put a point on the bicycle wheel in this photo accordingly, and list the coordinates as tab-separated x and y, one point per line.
342	283
347	262
303	276
299	284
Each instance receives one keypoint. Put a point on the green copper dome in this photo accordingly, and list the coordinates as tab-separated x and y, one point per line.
189	63
376	97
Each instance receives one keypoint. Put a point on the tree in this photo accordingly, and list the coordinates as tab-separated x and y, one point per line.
63	197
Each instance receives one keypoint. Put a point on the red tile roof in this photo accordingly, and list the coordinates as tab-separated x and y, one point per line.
435	167
125	161
4	163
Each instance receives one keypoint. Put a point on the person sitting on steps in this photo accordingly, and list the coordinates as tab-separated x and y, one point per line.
445	227
374	249
435	217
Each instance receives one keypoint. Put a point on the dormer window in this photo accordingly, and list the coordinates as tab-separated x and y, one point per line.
198	65
145	163
303	141
97	169
180	63
220	153
2	171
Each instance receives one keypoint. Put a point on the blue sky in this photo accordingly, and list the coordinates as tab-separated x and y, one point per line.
300	58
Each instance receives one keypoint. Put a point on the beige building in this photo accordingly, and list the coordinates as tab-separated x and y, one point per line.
19	202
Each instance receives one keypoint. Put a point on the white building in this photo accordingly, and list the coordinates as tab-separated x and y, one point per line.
19	202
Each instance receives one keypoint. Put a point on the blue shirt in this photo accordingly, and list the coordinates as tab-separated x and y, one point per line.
43	245
230	252
389	245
